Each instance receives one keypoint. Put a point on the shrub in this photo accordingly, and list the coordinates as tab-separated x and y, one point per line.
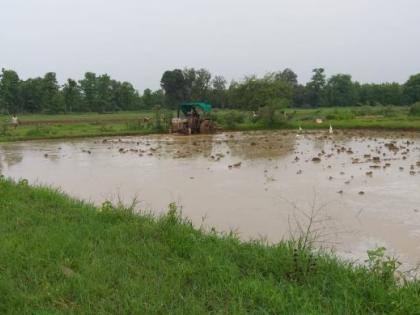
158	118
4	129
273	113
381	265
415	109
161	118
231	118
389	111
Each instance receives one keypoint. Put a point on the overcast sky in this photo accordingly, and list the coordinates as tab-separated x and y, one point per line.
136	40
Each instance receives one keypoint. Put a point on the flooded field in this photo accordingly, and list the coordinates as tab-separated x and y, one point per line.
362	189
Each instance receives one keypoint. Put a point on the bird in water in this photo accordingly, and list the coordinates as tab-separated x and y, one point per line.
331	129
299	131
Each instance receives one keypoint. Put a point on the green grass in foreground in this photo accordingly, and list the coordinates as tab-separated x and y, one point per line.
62	256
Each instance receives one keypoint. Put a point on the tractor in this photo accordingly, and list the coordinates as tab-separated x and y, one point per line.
195	119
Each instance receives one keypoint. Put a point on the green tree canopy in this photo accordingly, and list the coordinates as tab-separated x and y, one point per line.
315	88
10	93
341	91
412	89
175	86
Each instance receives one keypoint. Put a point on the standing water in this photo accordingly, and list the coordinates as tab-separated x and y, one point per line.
361	188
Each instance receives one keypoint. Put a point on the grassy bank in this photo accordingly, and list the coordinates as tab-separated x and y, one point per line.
366	117
63	256
134	123
78	125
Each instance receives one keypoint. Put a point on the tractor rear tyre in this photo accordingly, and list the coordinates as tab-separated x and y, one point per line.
206	126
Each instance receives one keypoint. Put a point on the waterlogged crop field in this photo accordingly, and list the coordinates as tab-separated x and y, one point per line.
359	189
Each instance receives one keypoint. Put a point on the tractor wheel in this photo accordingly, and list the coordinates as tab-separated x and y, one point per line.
206	126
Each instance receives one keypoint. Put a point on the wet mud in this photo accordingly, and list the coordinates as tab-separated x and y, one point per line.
362	187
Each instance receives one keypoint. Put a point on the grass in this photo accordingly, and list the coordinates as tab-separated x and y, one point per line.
131	123
83	116
63	256
75	126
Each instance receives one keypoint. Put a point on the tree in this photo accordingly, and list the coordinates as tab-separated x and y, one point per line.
218	92
72	96
175	86
32	95
10	97
412	89
298	98
103	102
200	85
125	97
253	92
158	97
287	75
89	92
315	88
341	91
147	98
52	101
384	93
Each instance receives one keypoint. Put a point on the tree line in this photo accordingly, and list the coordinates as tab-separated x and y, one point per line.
93	93
283	88
101	93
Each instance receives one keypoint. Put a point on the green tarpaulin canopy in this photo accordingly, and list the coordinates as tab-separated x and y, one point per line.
187	107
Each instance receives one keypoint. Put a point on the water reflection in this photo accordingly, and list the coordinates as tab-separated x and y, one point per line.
11	155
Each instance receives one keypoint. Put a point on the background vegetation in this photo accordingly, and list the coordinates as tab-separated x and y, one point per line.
102	94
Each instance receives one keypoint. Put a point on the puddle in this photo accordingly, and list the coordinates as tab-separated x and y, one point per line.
363	187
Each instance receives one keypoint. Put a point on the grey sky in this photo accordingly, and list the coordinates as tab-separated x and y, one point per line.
136	40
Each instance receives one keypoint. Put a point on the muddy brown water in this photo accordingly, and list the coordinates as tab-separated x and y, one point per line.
362	188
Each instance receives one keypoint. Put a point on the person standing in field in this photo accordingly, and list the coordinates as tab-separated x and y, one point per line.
15	121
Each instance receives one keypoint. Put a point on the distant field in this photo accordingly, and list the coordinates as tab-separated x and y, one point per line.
79	117
41	126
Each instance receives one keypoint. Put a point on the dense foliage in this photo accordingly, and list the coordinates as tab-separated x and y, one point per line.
93	93
100	93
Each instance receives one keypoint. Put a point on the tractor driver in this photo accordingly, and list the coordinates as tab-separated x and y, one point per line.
195	120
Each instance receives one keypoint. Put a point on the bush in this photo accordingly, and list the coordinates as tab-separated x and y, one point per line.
4	129
231	118
162	118
415	109
273	113
158	118
389	111
381	265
